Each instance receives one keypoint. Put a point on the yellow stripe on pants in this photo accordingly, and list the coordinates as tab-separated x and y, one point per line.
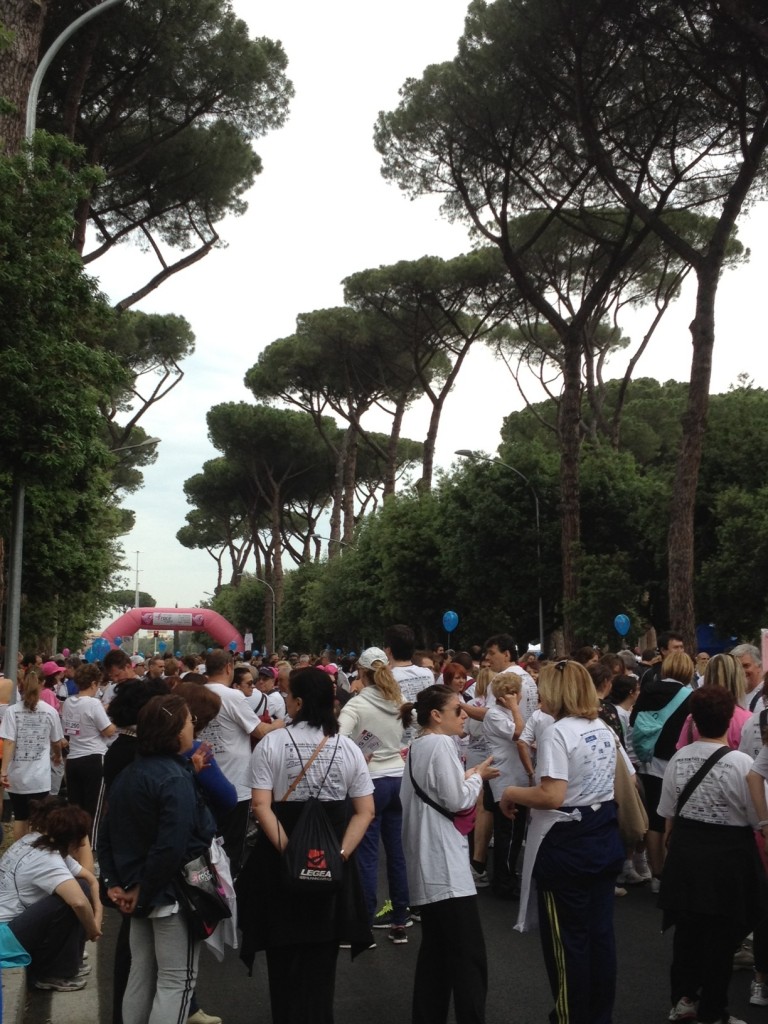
558	952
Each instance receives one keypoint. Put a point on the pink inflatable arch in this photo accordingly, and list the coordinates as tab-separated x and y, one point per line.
201	619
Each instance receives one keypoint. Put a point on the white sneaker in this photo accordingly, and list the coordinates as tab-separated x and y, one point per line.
655	884
641	868
758	994
684	1009
630	877
619	891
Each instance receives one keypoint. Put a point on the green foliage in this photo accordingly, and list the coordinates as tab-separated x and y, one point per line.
123	600
243	605
172	96
51	321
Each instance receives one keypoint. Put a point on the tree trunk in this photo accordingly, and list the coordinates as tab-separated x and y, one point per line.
338	495
25	19
394	438
428	457
680	546
569	420
350	479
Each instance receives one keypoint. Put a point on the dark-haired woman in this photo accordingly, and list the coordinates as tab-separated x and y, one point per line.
50	902
452	956
712	889
157	821
301	935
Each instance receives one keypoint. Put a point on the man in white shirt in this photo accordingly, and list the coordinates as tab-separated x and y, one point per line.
399	645
751	662
230	734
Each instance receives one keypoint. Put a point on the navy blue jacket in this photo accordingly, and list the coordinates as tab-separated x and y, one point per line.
157	820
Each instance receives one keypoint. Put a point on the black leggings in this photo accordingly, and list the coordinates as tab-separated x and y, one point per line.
451	961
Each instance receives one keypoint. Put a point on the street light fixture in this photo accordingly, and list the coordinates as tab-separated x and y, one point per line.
141	444
467	453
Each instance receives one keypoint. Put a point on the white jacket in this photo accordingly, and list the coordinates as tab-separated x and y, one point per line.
369	711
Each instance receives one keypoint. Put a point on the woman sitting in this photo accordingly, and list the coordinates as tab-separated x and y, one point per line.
50	902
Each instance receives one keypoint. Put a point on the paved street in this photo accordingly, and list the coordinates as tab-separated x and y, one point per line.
376	988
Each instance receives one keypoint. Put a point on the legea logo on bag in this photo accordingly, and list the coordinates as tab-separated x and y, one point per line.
317	867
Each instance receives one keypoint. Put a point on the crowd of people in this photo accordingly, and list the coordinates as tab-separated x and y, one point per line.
469	769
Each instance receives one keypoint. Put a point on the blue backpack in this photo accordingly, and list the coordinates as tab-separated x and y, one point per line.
647	726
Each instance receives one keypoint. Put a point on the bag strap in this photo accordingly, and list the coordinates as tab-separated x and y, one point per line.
671	706
423	796
696	778
305	767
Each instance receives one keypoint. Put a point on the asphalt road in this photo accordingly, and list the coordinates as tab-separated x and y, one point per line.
376	988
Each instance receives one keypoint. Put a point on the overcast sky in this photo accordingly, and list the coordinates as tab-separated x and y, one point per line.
319	211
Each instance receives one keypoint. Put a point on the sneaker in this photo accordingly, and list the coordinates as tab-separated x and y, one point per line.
631	877
61	984
642	870
619	891
480	878
385	917
398	935
758	993
201	1017
83	971
655	884
744	957
415	916
684	1009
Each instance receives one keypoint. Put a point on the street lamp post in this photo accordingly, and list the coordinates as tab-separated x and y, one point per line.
16	552
467	453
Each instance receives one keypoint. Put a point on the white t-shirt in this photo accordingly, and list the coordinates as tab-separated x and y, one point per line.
583	753
275	765
229	734
535	726
499	730
529	694
436	854
83	718
412	679
32	732
28	875
721	798
751	741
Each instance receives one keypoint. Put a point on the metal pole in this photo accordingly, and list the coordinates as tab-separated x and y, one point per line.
136	600
47	59
13	594
466	453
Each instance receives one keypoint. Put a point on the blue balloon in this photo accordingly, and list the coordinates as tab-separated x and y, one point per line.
162	646
233	645
100	647
450	621
119	641
178	654
90	656
622	624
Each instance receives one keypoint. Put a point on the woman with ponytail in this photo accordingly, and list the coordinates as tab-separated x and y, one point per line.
32	734
371	719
